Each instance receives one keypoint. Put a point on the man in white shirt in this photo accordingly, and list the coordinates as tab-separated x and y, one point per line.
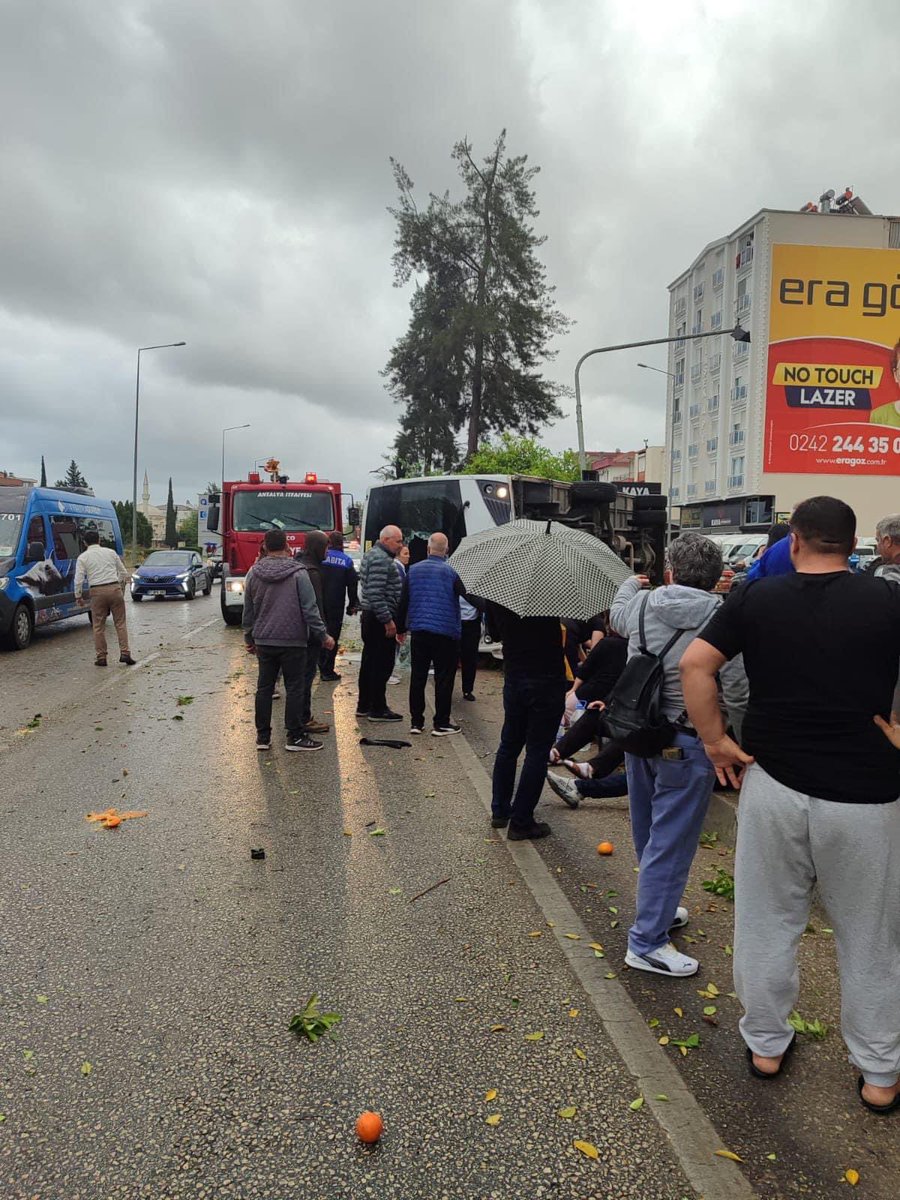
105	575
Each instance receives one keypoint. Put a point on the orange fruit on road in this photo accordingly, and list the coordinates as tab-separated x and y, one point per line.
369	1127
605	848
112	822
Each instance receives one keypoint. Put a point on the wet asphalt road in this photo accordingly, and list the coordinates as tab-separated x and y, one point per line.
168	960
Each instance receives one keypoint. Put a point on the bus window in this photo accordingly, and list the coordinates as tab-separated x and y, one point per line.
420	509
100	525
35	532
65	538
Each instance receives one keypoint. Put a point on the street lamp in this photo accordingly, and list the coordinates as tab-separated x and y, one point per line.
224	431
137	401
739	334
671	450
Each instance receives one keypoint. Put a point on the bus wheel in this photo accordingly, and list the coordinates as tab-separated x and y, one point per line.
19	634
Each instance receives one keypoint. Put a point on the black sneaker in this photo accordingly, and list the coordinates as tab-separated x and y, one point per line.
362	712
303	742
499	822
468	695
417	729
444	730
263	743
525	833
331	677
387	715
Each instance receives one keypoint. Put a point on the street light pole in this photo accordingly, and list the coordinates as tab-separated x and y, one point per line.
224	431
137	402
670	447
739	335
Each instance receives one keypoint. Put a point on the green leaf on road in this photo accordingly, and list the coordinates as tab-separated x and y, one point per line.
377	832
567	1113
710	1010
182	701
312	1023
41	999
662	1096
537	1036
28	1055
637	1104
395	891
86	1068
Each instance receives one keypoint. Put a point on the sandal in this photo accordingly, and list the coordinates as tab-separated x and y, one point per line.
758	1074
580	769
882	1110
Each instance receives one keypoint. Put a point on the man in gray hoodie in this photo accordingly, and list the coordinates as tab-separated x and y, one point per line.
670	792
280	617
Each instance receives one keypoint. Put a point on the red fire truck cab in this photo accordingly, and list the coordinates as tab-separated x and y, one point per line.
247	509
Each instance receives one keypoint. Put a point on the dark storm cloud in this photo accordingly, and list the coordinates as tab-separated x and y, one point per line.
218	172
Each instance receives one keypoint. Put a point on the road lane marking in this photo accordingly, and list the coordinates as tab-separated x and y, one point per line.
693	1137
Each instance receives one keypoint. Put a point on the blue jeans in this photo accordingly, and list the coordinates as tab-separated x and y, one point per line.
532	711
668	800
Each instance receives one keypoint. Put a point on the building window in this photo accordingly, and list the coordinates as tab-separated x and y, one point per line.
715	362
694	412
679	373
709	486
674	493
715	321
745	252
696	372
718	278
676	456
712	446
712	404
736	437
736	471
698	292
694	450
692	489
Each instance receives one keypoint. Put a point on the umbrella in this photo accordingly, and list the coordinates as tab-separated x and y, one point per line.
540	569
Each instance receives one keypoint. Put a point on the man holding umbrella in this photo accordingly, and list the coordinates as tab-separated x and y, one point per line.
533	573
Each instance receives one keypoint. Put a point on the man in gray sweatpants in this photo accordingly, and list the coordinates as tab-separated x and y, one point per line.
819	802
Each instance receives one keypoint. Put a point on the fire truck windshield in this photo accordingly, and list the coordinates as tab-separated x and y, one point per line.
255	512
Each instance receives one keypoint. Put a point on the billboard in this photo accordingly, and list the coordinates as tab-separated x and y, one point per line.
833	374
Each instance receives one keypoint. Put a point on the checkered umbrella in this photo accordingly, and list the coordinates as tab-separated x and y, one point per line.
540	569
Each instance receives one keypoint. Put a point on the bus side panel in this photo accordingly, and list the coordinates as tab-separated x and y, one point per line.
51	583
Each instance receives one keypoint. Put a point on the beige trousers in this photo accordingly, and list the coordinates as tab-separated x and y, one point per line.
106	599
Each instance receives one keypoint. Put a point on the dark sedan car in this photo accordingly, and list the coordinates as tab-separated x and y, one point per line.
171	573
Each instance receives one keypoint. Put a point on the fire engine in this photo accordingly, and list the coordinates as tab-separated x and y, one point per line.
246	509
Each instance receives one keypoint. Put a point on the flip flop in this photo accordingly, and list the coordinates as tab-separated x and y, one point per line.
578	769
881	1109
758	1074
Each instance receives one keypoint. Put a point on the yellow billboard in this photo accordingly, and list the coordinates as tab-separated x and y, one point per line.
833	372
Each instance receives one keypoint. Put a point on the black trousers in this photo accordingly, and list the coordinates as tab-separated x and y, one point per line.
426	650
291	661
468	653
313	650
588	727
327	657
532	708
376	666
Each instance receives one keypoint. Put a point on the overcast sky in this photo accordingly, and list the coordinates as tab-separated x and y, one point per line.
217	172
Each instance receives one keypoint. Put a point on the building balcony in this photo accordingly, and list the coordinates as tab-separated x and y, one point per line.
735	481
744	257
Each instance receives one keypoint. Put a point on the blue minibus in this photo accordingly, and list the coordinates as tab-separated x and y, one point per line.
41	536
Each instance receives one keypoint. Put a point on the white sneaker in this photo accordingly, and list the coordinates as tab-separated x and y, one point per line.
664	961
682	916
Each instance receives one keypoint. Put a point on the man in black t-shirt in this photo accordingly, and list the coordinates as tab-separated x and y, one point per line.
819	802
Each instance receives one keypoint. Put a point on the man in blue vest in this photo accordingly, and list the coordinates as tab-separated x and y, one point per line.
429	609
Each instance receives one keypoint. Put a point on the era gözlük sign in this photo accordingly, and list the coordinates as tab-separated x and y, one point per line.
833	379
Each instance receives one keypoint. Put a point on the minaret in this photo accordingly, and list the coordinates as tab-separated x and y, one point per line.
145	498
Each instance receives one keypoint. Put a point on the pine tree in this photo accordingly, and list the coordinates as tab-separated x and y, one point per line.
43	473
171	538
73	477
484	317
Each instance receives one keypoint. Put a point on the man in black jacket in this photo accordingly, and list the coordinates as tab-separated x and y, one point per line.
380	591
339	587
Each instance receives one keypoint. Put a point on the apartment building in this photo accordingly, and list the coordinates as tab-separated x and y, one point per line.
805	408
